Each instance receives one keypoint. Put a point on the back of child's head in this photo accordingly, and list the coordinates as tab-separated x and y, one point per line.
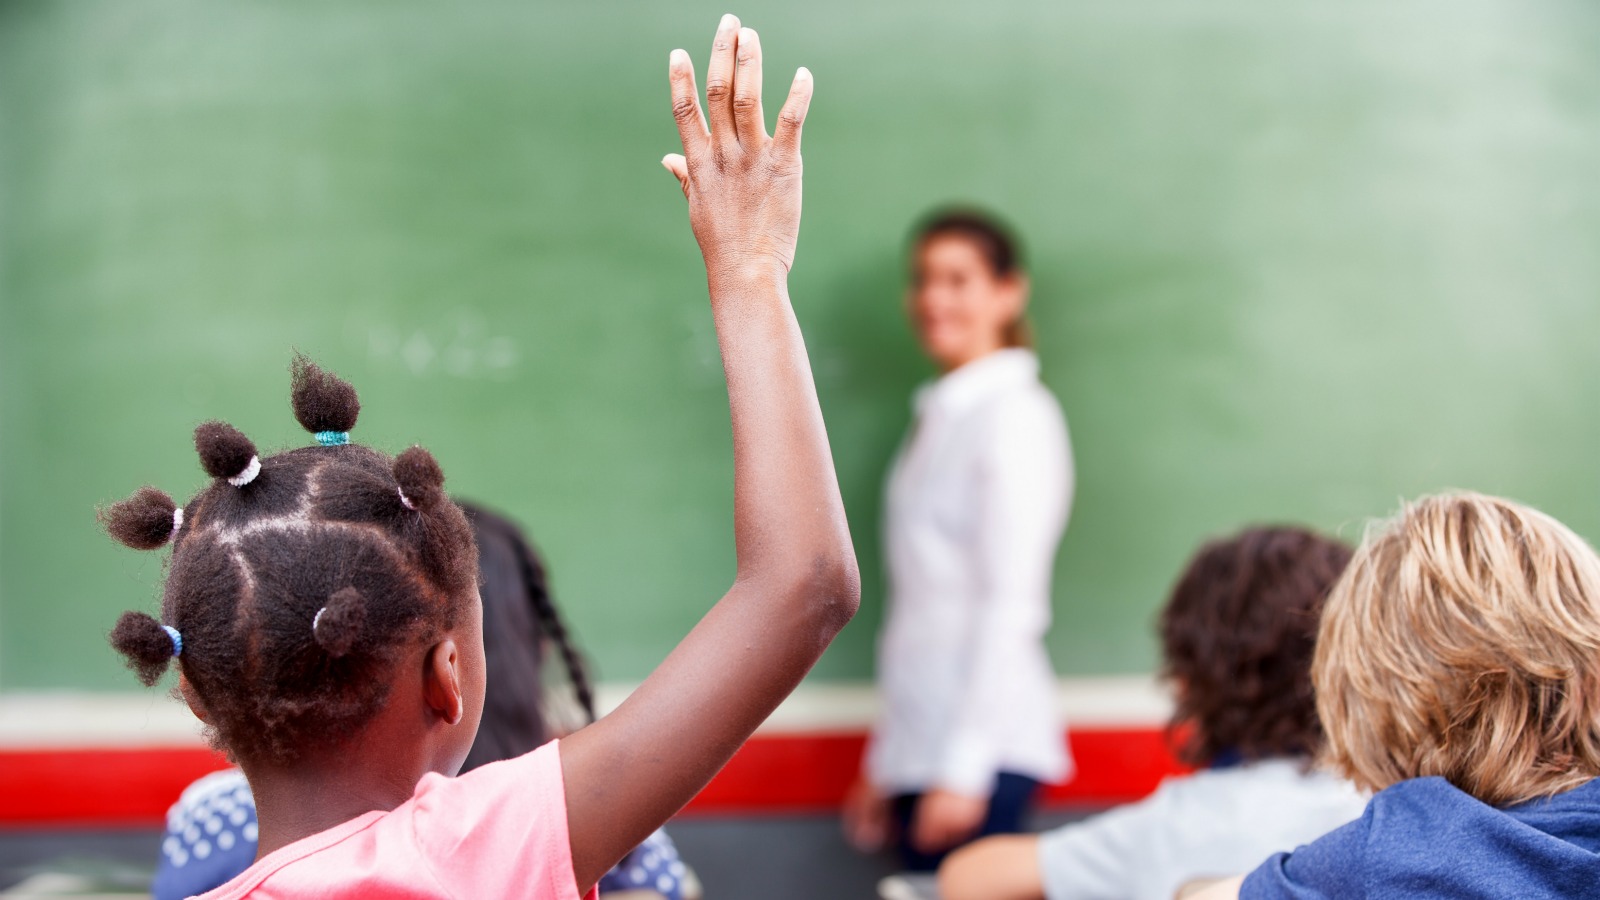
1464	642
297	580
1237	637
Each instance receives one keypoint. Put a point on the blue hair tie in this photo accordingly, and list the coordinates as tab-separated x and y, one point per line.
333	438
177	640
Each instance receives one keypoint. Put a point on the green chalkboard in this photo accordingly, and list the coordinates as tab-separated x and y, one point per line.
1293	261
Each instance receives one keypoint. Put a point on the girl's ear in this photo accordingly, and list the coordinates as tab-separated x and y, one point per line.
192	698
441	675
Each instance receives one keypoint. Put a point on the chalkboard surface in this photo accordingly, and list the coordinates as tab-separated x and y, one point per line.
1292	261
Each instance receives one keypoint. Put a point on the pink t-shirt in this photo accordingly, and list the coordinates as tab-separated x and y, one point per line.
497	831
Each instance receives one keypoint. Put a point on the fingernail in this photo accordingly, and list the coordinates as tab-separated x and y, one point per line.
729	20
747	34
803	72
677	58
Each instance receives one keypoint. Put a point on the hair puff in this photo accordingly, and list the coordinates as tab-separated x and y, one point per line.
322	400
337	625
224	450
145	521
421	480
147	646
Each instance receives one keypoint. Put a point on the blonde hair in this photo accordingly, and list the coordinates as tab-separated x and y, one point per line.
1464	641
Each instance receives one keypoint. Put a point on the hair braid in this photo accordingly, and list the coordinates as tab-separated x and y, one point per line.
550	621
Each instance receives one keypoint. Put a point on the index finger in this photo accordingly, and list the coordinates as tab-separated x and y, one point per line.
686	103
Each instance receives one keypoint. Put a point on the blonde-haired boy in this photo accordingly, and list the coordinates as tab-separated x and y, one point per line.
1458	674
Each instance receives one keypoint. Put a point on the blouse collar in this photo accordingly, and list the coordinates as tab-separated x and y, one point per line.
960	389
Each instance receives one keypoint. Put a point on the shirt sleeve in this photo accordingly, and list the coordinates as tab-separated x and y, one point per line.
1331	867
499	830
1025	480
1096	859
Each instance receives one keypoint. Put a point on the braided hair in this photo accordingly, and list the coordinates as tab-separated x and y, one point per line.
297	580
518	616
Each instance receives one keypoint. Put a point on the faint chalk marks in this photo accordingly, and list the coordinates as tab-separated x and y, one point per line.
462	347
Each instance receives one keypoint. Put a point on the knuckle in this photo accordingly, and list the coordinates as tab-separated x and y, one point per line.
684	109
746	102
790	118
784	168
717	89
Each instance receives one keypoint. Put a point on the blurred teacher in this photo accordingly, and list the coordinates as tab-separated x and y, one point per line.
976	502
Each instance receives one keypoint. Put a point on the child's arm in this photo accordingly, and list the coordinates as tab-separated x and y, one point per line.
796	583
1226	889
1004	867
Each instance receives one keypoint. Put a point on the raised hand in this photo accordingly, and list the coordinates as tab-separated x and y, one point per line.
795	582
743	187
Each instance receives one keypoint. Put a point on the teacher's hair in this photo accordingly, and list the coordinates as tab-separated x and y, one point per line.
995	241
1464	642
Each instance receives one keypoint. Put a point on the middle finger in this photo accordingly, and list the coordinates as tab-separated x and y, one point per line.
747	114
719	81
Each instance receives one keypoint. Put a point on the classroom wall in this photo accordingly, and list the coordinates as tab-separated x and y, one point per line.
1292	261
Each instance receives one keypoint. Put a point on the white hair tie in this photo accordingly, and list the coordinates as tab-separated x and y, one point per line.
177	519
405	501
317	618
248	474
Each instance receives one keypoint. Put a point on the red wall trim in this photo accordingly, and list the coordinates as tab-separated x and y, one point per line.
771	774
97	788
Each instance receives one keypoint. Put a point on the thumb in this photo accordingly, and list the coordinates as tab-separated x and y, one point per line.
677	165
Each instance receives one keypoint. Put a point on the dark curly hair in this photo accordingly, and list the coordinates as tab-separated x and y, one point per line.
297	580
1237	637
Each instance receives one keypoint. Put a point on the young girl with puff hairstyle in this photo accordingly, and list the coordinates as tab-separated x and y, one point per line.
322	607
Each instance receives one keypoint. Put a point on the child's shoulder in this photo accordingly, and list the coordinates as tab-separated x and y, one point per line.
1421	804
1424	803
499	830
1271	782
1428	825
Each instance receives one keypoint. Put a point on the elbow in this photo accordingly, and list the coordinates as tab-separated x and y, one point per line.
823	595
811	595
835	590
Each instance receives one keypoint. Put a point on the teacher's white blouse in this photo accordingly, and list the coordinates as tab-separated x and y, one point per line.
977	499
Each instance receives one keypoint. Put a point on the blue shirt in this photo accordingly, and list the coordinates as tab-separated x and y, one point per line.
1426	838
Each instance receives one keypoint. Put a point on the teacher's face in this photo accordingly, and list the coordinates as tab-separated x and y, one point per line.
959	308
